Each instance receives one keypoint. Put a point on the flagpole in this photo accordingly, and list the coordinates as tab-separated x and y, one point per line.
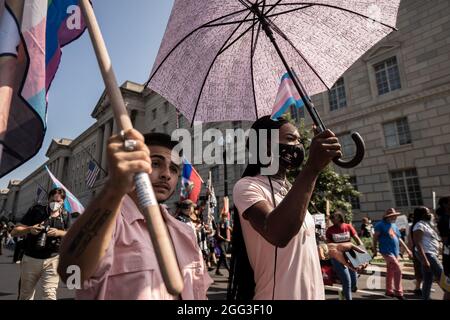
149	207
92	158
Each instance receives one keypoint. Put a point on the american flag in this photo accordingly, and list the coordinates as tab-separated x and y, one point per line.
92	173
41	195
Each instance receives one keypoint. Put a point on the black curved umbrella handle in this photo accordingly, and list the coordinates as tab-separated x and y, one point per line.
360	146
359	156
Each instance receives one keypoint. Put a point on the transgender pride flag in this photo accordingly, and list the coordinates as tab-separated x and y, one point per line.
32	33
71	204
287	96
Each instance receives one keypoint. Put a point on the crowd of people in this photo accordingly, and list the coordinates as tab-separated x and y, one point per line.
277	251
213	237
427	240
14	243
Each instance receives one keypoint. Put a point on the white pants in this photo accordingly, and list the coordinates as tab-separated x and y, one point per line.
34	269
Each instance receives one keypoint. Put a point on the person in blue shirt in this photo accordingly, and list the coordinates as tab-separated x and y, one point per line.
388	236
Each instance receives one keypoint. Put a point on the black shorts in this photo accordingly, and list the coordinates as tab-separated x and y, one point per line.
446	264
417	267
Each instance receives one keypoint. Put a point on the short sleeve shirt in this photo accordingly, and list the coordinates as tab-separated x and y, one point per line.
342	233
389	238
37	215
430	238
298	275
129	270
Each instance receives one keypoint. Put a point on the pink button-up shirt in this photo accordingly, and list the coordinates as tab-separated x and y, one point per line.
130	271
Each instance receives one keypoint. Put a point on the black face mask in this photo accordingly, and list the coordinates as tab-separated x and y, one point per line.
292	156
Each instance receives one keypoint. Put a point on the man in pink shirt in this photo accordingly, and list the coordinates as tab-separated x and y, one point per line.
110	242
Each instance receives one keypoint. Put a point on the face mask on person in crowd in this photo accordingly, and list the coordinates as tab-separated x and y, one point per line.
54	206
292	155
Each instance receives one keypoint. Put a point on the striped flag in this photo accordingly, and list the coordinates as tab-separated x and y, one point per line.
32	33
41	195
286	97
71	204
92	173
191	182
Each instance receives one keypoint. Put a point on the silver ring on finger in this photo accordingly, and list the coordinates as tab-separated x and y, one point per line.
129	145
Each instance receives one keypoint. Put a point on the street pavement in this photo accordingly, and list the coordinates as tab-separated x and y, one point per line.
370	287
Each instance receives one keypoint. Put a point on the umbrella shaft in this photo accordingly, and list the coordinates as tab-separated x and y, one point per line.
308	104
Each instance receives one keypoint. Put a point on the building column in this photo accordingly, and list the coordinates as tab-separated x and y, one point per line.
106	135
60	171
2	205
14	206
99	145
49	180
115	129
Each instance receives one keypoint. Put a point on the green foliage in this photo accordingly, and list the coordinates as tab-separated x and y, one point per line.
329	186
368	245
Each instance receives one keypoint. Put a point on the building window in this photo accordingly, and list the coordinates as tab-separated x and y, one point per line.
166	107
166	127
387	75
337	96
354	200
396	133
348	146
215	175
406	188
154	114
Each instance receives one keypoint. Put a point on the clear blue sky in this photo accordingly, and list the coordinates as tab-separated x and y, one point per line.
133	30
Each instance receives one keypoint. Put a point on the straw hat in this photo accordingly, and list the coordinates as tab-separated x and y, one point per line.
391	213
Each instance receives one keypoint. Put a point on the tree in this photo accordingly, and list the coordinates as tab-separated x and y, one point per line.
330	185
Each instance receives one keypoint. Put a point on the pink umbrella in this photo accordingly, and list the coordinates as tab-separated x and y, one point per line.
222	60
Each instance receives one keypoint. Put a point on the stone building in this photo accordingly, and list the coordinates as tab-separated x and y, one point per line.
68	159
397	96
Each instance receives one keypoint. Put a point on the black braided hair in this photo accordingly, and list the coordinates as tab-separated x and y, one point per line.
241	284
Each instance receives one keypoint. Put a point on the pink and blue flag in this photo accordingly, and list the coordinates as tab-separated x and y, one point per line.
30	51
191	182
71	204
287	96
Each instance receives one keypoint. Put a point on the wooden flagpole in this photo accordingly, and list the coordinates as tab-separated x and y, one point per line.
149	207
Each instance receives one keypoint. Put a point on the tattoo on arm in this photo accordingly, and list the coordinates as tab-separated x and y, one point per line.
82	240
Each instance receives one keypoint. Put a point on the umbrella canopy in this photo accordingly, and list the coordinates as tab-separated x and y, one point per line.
216	63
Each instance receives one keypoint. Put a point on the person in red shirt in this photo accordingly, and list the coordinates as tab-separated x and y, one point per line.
341	232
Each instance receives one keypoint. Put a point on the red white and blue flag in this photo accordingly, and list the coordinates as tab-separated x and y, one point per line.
191	182
287	96
41	195
92	174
